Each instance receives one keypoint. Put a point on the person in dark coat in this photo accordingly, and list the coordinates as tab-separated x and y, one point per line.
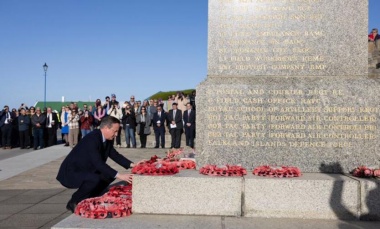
23	128
175	125
85	167
159	119
189	119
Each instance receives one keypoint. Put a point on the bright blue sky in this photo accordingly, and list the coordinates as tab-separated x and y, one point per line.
95	47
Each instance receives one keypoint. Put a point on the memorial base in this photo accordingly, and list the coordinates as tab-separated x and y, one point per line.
312	196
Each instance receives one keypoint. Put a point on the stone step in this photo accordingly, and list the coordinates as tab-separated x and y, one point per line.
312	196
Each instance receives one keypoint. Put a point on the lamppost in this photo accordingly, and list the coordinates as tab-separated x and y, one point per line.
45	69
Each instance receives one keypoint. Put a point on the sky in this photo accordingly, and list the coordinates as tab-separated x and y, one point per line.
95	48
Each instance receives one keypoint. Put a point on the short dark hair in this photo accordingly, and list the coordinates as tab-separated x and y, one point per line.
108	121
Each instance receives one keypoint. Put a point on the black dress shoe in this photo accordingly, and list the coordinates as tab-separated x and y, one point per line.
71	206
156	147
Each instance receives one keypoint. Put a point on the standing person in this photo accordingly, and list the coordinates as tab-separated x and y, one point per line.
116	112
175	126
374	35
129	123
86	123
143	126
6	127
51	126
132	101
152	108
15	137
65	126
181	101
99	114
38	122
107	104
189	119
159	119
73	124
85	167
192	99
31	112
136	108
114	101
23	128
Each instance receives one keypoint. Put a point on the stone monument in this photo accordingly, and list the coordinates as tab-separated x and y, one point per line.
288	84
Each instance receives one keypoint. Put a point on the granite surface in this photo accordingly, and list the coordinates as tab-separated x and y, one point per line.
370	199
287	38
315	123
288	84
187	193
312	196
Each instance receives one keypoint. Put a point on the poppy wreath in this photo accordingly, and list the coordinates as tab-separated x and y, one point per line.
117	202
225	171
283	171
156	166
365	172
174	153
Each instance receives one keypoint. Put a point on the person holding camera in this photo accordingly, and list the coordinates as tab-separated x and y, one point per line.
114	111
6	118
129	123
85	123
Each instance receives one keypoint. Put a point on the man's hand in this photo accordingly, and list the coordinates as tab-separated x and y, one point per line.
125	177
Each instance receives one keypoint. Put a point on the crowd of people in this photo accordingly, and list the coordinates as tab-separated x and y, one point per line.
31	127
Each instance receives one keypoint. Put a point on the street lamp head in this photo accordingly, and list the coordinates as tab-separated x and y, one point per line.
45	67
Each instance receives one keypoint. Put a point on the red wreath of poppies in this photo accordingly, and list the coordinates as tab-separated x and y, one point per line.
158	167
226	171
365	172
117	202
283	171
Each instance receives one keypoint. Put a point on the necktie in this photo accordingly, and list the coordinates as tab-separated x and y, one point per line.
104	144
159	114
188	116
174	114
48	120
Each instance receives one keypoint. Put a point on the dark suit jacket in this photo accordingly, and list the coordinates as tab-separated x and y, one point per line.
177	118
189	119
3	115
89	156
162	120
55	118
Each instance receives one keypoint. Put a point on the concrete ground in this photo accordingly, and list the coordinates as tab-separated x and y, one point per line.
30	197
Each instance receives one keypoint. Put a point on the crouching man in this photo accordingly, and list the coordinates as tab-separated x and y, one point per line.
85	167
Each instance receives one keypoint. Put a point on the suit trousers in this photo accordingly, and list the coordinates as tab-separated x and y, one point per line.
38	135
176	137
93	185
190	134
50	136
160	134
24	138
6	131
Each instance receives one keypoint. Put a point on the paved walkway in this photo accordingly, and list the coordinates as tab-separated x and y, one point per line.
30	197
